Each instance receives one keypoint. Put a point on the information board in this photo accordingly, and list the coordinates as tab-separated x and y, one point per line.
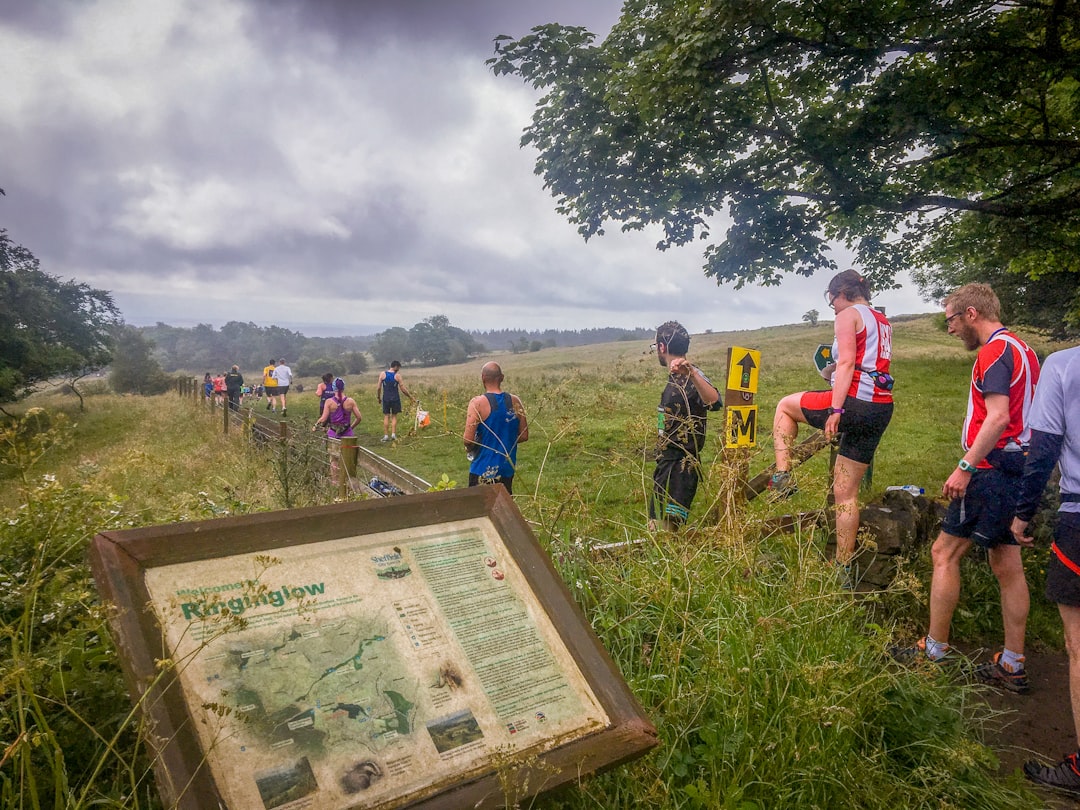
361	656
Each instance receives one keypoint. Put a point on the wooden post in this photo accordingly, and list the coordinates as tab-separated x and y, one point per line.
738	435
349	449
225	413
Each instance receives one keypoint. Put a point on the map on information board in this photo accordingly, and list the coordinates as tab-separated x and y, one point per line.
365	670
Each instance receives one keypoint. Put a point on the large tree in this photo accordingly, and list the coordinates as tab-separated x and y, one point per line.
134	368
48	327
937	135
435	342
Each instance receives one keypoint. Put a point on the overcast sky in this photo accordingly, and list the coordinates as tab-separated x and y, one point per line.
331	166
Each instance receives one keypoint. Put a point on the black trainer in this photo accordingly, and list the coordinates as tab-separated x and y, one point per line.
994	673
782	486
1065	776
917	653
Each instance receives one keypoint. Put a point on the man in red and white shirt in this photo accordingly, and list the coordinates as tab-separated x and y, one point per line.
984	484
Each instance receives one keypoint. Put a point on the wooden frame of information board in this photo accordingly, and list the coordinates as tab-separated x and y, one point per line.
368	720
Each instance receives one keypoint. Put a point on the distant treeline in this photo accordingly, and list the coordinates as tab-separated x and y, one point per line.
203	348
434	341
522	340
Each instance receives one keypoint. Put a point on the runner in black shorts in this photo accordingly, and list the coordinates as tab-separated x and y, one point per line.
857	408
982	488
1055	439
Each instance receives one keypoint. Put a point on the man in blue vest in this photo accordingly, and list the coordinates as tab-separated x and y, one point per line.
388	393
495	425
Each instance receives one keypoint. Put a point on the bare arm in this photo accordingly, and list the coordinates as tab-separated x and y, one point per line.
355	411
682	367
523	423
845	328
325	415
472	420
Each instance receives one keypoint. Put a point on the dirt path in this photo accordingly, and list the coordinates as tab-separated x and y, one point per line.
1037	725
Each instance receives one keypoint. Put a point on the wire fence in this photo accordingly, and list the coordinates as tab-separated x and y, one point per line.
308	466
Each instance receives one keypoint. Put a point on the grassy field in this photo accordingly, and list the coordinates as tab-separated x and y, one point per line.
770	686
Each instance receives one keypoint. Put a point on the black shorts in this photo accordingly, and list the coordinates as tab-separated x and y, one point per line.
862	424
984	515
1062	583
391	406
675	483
475	481
281	391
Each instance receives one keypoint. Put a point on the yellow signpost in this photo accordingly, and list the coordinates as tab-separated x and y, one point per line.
740	426
743	366
740	421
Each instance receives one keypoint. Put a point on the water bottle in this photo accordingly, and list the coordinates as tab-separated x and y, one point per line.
911	489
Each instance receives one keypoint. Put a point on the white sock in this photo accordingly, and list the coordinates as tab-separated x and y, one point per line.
935	649
1011	661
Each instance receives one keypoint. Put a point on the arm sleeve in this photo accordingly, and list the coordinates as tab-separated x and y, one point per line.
1043	453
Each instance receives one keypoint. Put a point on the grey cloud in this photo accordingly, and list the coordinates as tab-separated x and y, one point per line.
464	22
287	158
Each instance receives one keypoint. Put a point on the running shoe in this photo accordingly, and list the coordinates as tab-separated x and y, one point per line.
846	574
995	673
782	485
1065	776
913	655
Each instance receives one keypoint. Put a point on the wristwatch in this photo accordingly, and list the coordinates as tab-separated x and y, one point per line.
966	466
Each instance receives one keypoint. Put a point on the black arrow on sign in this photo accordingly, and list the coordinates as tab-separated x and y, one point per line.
748	365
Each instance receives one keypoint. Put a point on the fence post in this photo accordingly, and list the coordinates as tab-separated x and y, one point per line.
348	449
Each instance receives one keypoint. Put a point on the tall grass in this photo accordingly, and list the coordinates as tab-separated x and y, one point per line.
769	686
770	689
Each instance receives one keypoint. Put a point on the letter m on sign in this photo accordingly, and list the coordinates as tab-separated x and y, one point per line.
740	429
